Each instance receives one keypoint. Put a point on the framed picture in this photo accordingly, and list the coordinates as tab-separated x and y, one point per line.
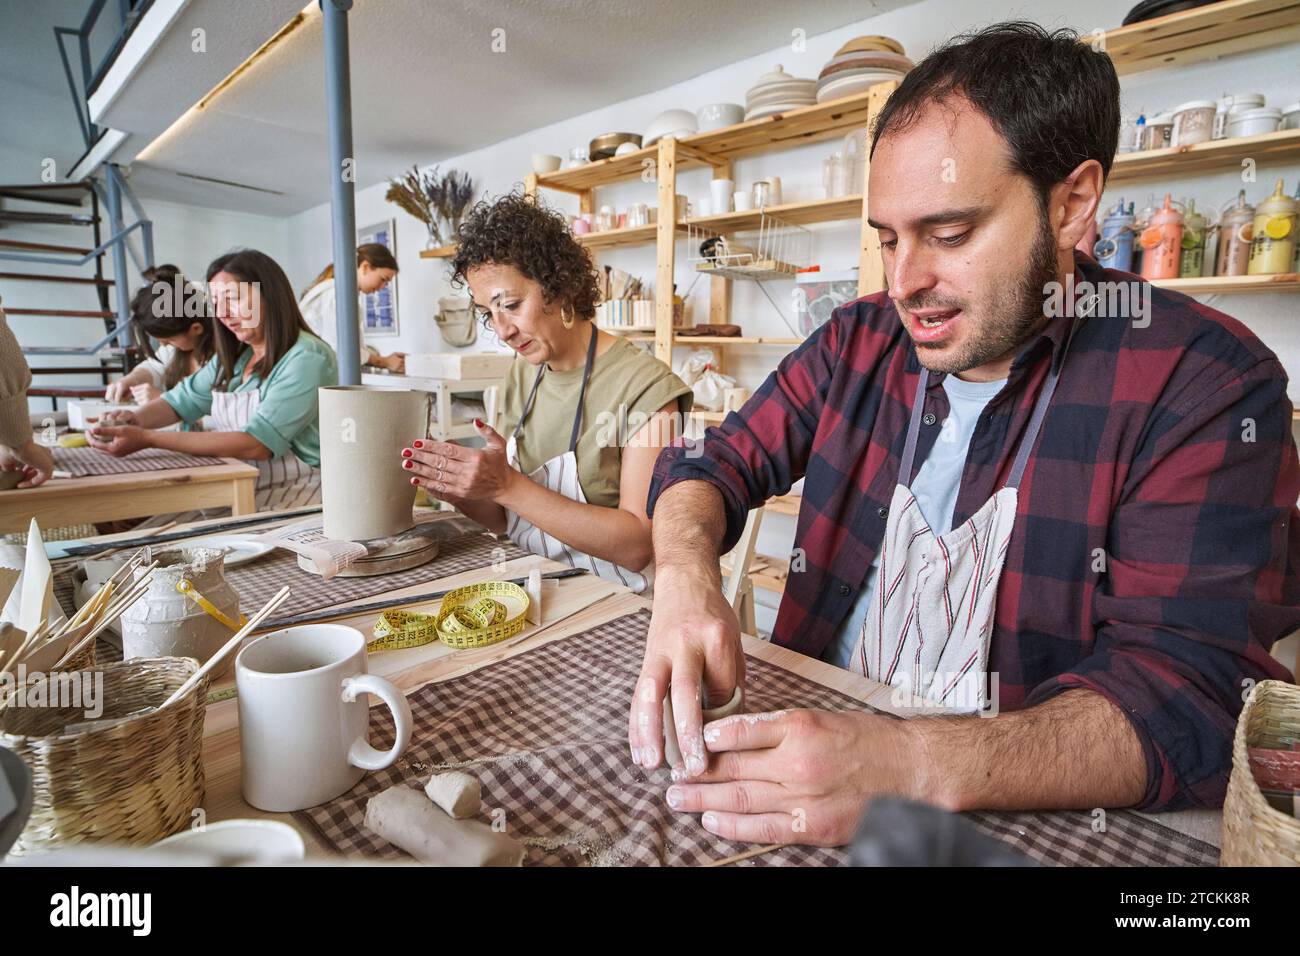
379	309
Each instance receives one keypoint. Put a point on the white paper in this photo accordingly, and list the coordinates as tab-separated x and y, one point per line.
31	600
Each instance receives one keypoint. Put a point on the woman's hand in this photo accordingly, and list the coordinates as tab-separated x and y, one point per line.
115	418
32	459
454	471
144	394
394	363
118	440
116	391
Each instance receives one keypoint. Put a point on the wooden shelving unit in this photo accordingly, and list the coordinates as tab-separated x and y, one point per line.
1213	285
441	252
1281	146
717	149
1179	39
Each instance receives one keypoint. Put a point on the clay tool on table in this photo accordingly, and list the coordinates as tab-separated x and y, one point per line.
216	660
112	611
83	550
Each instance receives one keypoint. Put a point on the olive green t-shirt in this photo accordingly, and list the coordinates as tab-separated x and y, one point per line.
626	388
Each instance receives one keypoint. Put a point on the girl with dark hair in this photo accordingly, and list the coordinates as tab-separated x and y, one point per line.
259	387
376	267
172	311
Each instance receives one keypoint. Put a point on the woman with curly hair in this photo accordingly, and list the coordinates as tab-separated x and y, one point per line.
585	411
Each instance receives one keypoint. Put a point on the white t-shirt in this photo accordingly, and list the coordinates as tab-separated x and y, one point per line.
317	307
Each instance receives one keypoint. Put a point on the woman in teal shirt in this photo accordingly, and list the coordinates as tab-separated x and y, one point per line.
259	387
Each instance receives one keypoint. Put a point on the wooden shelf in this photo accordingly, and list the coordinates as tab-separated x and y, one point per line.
1279	146
798	213
1214	285
688	340
1233	26
611	238
440	252
785	505
807	124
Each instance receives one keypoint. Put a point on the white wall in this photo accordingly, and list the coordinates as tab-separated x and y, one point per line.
498	168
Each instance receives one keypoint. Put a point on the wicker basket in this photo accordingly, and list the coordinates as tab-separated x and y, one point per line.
134	781
1254	833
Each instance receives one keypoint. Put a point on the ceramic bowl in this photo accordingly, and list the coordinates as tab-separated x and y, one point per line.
243	841
606	144
857	61
670	123
871	42
718	115
625	148
545	163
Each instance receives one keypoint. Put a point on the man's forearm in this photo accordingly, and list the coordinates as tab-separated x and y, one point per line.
689	524
1074	751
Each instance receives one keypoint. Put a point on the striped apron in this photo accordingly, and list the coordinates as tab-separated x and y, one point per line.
931	619
560	474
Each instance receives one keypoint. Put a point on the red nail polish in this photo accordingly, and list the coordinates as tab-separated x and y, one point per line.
478	423
408	464
407	453
415	481
417	443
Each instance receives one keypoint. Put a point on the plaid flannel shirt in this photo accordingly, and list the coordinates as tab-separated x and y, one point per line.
1156	543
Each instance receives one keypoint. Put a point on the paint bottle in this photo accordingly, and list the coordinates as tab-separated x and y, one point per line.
1161	242
1273	242
1236	226
1140	222
1295	259
1114	250
1195	225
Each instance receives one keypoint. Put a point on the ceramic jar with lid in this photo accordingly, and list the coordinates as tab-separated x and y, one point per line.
1273	241
1193	123
1158	131
1233	103
1291	116
1252	122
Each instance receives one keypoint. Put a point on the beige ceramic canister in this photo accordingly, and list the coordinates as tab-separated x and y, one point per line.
165	622
365	492
1273	242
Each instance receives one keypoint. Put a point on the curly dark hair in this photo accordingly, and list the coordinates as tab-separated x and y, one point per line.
518	231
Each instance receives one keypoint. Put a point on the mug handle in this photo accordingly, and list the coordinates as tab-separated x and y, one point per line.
361	753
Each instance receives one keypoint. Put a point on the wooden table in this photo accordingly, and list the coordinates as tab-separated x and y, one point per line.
570	607
71	501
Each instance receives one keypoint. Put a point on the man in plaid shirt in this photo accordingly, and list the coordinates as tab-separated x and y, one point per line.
1152	560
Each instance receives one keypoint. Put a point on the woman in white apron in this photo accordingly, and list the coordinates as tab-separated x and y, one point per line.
376	267
259	390
928	628
586	412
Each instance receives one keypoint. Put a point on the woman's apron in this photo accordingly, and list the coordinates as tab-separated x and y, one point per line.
285	481
931	620
560	474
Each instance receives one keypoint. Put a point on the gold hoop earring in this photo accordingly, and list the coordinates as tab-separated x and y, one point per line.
566	319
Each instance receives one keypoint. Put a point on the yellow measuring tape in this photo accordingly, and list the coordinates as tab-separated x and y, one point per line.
473	616
190	591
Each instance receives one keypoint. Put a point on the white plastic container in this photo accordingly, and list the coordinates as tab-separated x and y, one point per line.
1291	116
1193	123
1233	103
1252	122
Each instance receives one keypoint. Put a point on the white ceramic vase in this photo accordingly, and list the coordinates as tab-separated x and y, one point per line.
166	623
365	492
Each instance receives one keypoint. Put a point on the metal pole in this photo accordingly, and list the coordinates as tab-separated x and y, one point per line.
121	280
338	98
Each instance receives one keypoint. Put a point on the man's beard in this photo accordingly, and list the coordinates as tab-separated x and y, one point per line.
1009	316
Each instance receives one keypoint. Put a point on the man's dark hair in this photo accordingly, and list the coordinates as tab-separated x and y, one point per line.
1053	98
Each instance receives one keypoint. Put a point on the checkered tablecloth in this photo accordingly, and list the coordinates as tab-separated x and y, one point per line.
546	734
257	581
84	462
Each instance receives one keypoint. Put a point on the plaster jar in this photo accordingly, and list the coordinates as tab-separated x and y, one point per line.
167	623
1193	123
365	491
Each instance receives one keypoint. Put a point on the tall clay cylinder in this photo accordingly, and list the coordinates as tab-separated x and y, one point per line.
364	489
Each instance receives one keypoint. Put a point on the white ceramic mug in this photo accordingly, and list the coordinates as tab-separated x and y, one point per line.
720	191
302	728
742	201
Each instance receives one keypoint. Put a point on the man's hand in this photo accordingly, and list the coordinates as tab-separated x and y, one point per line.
118	440
32	459
798	776
694	641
